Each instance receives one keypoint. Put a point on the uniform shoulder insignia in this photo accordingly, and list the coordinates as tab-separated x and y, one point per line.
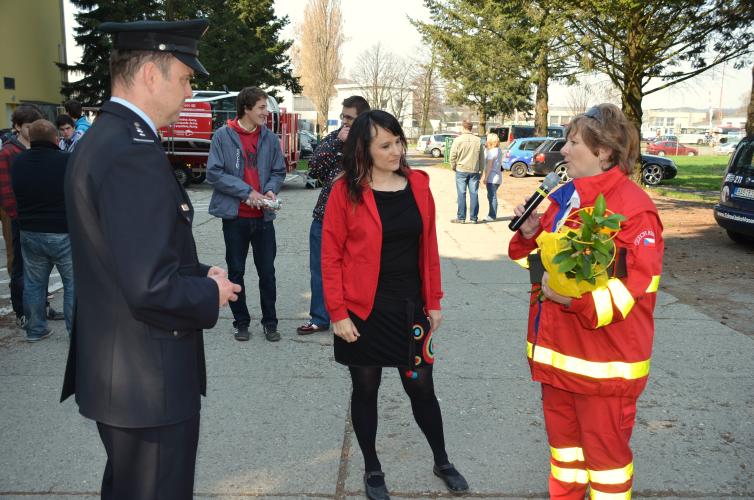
139	136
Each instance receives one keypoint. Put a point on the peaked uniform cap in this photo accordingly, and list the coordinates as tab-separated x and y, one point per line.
180	38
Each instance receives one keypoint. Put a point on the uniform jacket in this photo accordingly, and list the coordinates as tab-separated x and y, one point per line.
142	297
225	168
352	245
467	154
602	343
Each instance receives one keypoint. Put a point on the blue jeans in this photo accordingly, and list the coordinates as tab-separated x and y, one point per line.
40	252
471	180
492	199
317	310
239	234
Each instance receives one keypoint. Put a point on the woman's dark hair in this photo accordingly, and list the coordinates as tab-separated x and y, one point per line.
248	98
357	161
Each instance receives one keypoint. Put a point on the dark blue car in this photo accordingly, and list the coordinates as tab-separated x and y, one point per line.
735	211
518	155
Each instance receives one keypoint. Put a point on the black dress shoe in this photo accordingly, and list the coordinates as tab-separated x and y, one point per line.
375	492
453	479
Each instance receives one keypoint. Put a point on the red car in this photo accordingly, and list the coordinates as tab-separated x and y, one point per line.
662	148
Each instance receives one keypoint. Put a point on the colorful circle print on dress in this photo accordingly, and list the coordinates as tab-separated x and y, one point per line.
428	351
418	332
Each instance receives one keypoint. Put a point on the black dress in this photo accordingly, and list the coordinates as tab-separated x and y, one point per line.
397	331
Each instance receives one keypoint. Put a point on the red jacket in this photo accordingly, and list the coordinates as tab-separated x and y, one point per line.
352	245
602	343
8	153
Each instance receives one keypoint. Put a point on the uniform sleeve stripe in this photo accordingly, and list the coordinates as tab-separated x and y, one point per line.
603	306
621	296
654	284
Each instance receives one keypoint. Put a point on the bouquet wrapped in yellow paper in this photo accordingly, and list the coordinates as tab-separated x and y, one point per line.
577	258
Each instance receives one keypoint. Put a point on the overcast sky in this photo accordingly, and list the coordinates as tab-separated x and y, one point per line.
386	22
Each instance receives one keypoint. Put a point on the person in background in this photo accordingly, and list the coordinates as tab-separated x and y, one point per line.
74	109
325	165
38	175
22	118
381	277
246	170
467	161
493	176
68	133
592	354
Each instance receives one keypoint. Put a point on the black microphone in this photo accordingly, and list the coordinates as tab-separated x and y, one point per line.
540	194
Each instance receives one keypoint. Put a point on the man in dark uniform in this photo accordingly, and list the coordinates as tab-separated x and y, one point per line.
136	362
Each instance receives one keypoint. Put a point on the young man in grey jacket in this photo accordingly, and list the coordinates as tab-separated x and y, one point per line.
247	170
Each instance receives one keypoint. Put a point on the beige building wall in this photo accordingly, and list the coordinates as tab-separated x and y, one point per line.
32	37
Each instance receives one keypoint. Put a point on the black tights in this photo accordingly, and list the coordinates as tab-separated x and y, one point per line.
426	409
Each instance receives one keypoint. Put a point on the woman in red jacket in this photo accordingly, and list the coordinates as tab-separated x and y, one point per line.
592	353
381	278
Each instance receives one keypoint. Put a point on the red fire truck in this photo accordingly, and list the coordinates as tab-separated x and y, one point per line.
187	141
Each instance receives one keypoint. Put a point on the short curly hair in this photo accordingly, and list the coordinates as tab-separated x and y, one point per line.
606	126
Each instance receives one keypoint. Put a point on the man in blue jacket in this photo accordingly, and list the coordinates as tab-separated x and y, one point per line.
247	170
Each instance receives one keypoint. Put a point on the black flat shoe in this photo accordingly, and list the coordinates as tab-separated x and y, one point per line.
453	479
375	492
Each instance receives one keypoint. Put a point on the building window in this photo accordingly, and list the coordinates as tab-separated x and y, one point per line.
670	121
9	83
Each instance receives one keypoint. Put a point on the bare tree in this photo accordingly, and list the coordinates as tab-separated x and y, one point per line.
427	99
375	73
750	109
318	54
579	97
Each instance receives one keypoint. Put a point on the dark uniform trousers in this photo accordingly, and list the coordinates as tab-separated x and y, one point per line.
136	361
155	463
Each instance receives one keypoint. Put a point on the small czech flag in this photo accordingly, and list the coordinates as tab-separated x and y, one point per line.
649	242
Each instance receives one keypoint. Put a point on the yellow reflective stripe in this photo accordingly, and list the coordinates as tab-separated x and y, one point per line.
621	296
574	454
569	475
593	369
523	262
612	476
598	495
654	284
603	305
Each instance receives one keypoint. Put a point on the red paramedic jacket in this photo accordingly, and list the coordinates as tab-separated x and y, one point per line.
602	343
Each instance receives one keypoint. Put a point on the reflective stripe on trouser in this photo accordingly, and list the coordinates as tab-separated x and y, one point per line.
589	444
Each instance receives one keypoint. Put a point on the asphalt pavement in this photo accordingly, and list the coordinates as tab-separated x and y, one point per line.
275	423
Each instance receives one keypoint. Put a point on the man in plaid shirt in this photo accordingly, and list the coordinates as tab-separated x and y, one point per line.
22	118
325	165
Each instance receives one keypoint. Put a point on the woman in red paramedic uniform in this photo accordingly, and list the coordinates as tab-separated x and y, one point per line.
592	353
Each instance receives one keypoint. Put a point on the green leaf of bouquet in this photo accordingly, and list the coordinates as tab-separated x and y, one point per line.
586	232
600	205
586	218
586	266
567	265
611	224
562	255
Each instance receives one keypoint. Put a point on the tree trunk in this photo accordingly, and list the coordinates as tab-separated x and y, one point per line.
631	101
541	110
750	110
482	121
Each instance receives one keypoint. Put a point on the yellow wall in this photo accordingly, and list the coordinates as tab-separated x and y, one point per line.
32	38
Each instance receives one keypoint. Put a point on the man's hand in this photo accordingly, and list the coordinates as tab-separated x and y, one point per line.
343	134
217	271
270	196
435	319
227	289
346	330
255	199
